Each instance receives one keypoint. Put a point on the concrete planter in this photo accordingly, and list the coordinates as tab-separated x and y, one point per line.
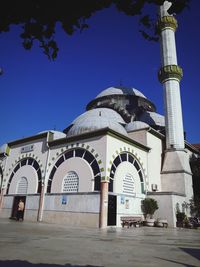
150	222
161	223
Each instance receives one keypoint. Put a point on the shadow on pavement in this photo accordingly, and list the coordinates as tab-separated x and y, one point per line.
194	252
18	263
177	262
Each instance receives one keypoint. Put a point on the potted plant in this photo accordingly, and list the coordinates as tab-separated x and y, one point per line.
180	218
149	206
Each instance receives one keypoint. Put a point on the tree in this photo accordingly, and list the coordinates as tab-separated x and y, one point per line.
149	206
195	167
38	18
195	207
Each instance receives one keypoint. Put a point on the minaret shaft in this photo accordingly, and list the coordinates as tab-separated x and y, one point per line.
173	116
168	48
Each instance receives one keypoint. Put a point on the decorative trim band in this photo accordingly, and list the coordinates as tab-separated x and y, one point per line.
176	171
167	22
165	193
170	72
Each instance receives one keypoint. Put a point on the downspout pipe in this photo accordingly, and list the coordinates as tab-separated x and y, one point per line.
42	194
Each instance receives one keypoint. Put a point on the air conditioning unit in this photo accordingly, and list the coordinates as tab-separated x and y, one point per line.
154	187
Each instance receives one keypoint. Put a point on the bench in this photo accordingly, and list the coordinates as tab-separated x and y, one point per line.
131	221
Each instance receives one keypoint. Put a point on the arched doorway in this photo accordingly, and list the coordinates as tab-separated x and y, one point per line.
126	187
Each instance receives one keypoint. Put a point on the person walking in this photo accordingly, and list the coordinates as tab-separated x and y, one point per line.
20	210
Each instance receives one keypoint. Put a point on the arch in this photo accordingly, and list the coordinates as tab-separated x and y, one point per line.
27	162
126	157
86	156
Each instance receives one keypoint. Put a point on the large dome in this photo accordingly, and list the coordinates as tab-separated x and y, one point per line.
120	90
114	108
97	119
126	101
100	112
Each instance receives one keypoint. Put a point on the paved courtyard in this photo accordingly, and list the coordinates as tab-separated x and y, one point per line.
27	244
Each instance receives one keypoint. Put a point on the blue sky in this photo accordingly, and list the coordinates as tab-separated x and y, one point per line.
37	94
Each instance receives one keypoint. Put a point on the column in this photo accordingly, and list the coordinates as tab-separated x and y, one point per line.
41	203
103	205
3	190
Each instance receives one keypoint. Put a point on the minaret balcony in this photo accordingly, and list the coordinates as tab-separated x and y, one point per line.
170	72
166	22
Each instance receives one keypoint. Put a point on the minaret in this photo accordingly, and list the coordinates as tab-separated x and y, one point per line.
170	75
176	173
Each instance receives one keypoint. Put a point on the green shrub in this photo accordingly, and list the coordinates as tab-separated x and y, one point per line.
180	216
149	206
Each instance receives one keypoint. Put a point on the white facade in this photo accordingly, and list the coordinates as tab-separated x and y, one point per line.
61	177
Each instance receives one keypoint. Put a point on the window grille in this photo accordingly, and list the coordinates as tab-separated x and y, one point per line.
22	186
70	182
128	184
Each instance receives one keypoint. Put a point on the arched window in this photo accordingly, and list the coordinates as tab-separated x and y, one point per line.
128	181
70	182
22	187
85	155
27	161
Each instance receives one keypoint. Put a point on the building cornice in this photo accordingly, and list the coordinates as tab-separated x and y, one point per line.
97	133
152	131
177	171
166	193
191	147
27	139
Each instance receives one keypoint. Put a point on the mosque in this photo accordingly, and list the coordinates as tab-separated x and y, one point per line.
109	159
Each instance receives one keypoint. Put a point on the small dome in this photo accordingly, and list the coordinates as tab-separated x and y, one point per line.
97	113
97	119
3	148
153	118
56	134
135	125
120	90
